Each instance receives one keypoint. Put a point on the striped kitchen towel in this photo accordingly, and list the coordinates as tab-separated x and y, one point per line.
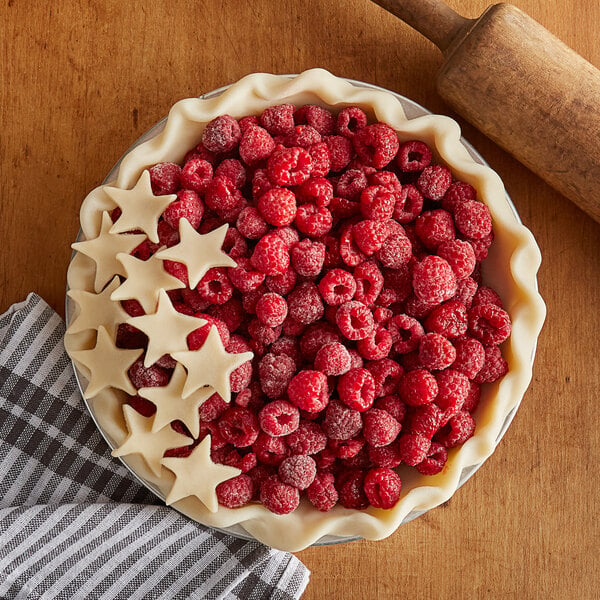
74	523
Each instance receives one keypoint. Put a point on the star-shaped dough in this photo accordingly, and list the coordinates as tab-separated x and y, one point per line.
145	279
108	365
167	329
104	249
170	406
210	365
198	252
140	208
97	309
142	440
197	475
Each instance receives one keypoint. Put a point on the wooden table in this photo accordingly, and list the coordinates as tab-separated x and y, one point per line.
80	81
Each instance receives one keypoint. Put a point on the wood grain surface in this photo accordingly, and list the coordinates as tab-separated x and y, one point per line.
80	81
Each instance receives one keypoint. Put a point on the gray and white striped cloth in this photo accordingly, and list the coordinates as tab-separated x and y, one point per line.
74	523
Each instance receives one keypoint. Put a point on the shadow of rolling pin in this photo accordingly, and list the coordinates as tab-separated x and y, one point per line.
522	87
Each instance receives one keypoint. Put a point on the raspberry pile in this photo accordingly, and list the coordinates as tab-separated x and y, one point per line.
357	288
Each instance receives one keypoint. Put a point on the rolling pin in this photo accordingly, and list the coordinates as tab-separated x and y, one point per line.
522	87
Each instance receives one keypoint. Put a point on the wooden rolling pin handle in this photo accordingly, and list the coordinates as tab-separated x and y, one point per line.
432	18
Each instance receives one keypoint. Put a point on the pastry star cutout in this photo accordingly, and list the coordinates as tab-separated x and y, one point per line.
151	445
197	475
145	278
97	309
104	249
141	209
170	406
210	365
167	329
108	365
198	252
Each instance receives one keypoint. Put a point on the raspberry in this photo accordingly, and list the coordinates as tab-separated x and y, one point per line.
380	428
263	333
260	183
413	156
382	487
435	460
453	389
298	471
224	198
309	438
356	389
470	356
377	203
406	333
473	219
271	309
256	145
196	175
141	405
307	257
341	422
165	178
433	280
200	151
197	337
383	315
187	206
304	303
465	291
387	374
459	255
472	400
234	170
291	327
222	134
316	190
271	255
346	449
215	286
351	184
349	251
337	287
385	456
376	145
289	166
369	283
434	181
246	122
315	337
434	227
279	418
333	359
322	493
458	192
275	373
410	207
251	224
424	420
152	376
313	221
448	319
413	448
436	352
234	244
133	308
176	269
458	430
289	235
486	295
239	426
278	120
340	151
302	136
321	159
489	323
418	387
213	408
370	235
282	284
350	120
355	320
395	251
481	246
278	206
270	450
308	390
494	366
279	497
350	488
315	116
376	346
235	492
243	277
240	378
288	346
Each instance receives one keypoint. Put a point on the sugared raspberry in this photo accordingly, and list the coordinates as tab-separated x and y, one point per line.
380	428
234	243
176	269
433	280
280	498
354	320
435	460
246	122
434	181
234	170
406	332
351	184
489	323
387	374
453	389
434	227
165	178
350	120
459	191
278	206
349	251
263	333
316	190
240	378
224	198
424	420
473	219
340	151
298	471
213	408
152	376
395	251
481	246
370	235
187	206
346	449
494	367
333	359
279	418
270	450
458	430
293	328
289	166
377	203
289	235
235	492
356	389
376	346
435	351
255	145
196	175
278	120
271	309
337	287
215	286
413	156
350	486
413	448
382	487
244	277
222	134
197	337
381	314
321	159
282	284
418	387
486	295
313	221
410	206
369	283
304	303
376	145
473	397
260	183
315	116
308	390
302	136
392	404
341	422
307	257
251	224
385	456
239	426
470	356
275	373
308	438
271	255
466	289
448	319
288	346
459	255
316	336
322	493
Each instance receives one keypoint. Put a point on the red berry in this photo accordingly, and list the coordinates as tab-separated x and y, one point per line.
256	145
271	255
453	389
304	303
322	493
382	487
494	367
309	438
333	359
350	120
377	203
279	418
459	191
222	134
436	352
351	184
278	206
356	389
489	323
313	221
406	333
413	156
350	486
308	390
196	175
187	206
271	309
418	387
434	227
224	198
435	460
380	428
215	286
355	320
307	257
278	120
470	356
165	178
410	206
425	420
458	430
279	497
341	422
298	471
376	145
340	151
275	373
473	219
369	283
459	255
413	448
251	224
433	280
395	251
448	319
337	287
289	166
434	181
269	450
376	346
235	492
239	426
